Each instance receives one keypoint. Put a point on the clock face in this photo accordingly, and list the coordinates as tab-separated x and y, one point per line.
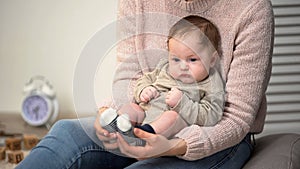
36	110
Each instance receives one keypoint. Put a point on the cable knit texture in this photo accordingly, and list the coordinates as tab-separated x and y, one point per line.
246	28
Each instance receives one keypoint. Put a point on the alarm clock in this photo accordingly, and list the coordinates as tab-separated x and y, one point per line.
40	106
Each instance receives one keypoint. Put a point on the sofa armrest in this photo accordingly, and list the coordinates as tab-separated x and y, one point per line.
277	151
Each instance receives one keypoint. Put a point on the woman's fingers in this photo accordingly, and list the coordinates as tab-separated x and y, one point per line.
130	151
108	139
156	145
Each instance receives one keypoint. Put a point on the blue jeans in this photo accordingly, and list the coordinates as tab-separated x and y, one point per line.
73	144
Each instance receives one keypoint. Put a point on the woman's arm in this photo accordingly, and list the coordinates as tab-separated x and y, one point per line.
246	85
128	68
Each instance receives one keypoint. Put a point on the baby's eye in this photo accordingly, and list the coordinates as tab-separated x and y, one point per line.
175	59
193	59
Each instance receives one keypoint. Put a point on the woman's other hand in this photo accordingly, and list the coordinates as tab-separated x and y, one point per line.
156	146
108	139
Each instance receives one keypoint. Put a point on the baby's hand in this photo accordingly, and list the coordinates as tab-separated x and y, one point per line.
148	94
173	97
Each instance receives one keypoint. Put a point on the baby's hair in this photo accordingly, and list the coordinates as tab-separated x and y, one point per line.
193	23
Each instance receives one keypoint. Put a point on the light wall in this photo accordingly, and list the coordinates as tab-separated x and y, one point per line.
46	37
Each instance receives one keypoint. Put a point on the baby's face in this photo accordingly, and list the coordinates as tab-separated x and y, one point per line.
184	64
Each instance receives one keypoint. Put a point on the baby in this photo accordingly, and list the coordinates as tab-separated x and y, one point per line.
184	89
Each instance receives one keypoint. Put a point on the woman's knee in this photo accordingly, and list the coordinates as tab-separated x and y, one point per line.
64	126
65	123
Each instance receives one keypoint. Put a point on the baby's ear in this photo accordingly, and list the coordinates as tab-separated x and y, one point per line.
214	58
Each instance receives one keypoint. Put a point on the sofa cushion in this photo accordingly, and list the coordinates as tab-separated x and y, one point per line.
277	151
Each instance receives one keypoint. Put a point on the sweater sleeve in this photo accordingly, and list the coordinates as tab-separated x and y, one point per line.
246	85
128	69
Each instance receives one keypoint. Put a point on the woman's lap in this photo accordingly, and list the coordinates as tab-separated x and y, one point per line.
234	158
73	144
69	144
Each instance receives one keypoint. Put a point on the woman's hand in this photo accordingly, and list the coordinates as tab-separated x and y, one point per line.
108	139
156	146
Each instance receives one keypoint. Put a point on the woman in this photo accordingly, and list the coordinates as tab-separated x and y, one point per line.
246	29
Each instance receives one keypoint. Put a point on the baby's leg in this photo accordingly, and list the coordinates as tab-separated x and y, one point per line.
122	121
168	124
109	117
135	112
130	115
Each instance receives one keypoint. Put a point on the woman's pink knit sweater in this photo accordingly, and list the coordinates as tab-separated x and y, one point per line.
246	29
